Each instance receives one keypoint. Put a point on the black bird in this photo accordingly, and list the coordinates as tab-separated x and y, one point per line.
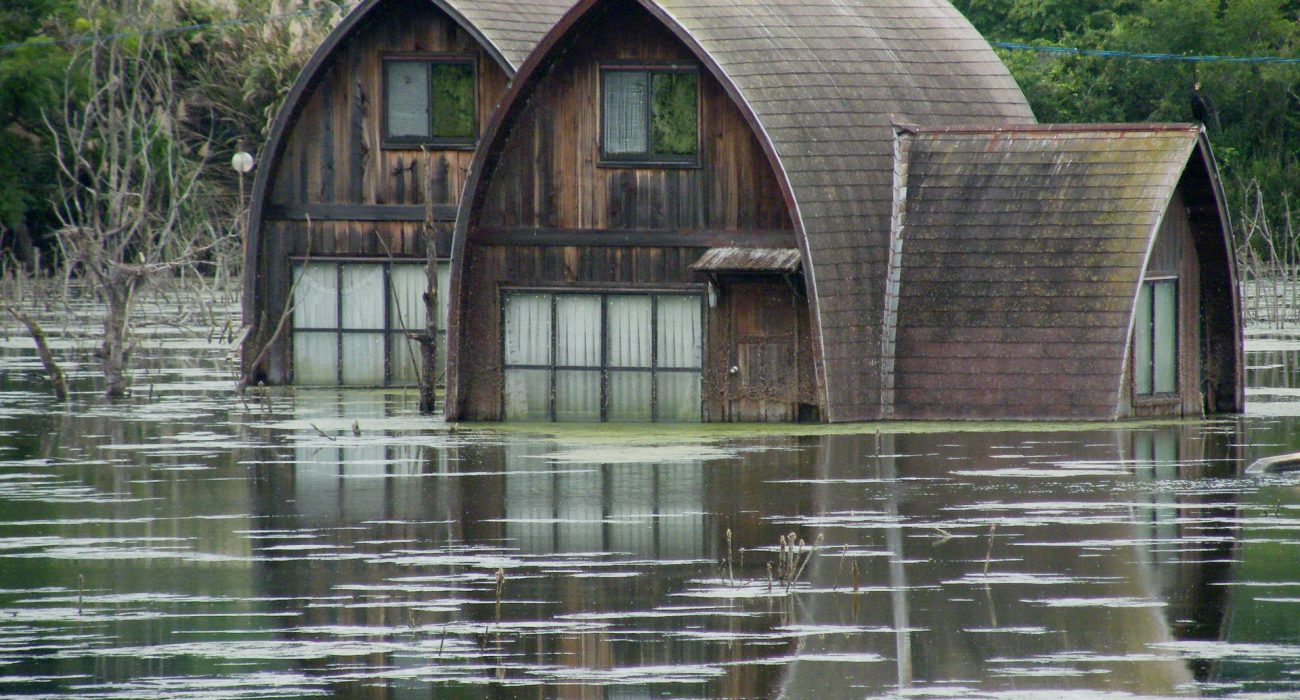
1203	108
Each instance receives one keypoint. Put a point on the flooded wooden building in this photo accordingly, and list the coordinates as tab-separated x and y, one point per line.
361	176
711	212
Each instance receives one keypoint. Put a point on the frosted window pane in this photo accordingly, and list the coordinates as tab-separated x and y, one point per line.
528	329
629	396
1166	337
404	361
678	397
631	508
406	86
315	359
363	359
680	342
363	296
406	308
528	394
315	296
444	288
1142	378
624	102
577	330
629	331
577	395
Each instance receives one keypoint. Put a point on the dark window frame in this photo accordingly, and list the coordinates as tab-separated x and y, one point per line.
1150	331
649	158
388	141
552	367
389	332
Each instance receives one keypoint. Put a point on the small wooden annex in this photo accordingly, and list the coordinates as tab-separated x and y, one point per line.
361	176
710	211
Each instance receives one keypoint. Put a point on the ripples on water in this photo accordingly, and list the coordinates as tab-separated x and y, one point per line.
186	545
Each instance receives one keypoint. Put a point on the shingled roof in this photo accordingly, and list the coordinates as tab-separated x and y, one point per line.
821	82
1021	254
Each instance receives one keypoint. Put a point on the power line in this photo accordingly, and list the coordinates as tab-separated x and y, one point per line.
1066	50
195	27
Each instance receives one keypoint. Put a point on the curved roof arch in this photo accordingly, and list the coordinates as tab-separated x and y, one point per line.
506	29
820	82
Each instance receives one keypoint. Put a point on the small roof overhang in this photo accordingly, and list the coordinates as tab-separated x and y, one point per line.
772	260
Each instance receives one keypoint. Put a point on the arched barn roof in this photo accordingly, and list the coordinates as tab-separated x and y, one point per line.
821	82
1021	253
507	29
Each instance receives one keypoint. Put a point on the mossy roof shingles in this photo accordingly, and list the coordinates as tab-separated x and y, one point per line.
1026	244
825	81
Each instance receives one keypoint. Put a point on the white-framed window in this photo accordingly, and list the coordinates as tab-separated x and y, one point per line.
350	322
604	356
1155	338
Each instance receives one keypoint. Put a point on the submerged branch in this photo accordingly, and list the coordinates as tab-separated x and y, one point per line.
43	350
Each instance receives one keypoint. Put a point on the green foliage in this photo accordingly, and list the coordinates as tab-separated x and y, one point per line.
452	100
1256	135
673	113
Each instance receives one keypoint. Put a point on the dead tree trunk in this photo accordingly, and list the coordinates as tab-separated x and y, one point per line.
43	351
429	340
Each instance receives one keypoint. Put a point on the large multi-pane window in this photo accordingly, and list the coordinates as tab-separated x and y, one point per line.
602	357
429	101
1155	338
350	322
649	115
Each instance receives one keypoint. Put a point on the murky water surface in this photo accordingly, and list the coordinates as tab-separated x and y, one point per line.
185	544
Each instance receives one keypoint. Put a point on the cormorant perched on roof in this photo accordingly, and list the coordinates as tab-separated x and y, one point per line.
1203	107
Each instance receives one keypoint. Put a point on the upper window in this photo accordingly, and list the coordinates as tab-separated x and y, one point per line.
1155	338
429	101
649	115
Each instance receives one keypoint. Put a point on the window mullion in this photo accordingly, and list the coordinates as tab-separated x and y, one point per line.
649	114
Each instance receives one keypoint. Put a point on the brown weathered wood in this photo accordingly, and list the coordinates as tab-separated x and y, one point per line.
764	238
322	211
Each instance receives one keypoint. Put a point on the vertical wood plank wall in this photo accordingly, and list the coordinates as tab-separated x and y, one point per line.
547	175
332	155
1174	254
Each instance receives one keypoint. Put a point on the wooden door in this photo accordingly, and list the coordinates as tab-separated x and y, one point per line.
762	376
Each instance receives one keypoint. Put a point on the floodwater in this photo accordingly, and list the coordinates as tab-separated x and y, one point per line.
185	544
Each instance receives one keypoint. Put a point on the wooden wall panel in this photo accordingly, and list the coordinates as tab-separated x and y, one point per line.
548	174
332	154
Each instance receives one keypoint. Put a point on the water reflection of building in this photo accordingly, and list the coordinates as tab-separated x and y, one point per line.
1033	574
995	561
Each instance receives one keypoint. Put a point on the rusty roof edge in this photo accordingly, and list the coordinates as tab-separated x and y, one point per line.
1167	185
1191	129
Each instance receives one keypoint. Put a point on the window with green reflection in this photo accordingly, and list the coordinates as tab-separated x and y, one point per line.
429	101
650	115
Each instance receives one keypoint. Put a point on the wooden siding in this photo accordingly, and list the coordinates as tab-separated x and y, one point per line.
332	190
548	173
546	182
1174	255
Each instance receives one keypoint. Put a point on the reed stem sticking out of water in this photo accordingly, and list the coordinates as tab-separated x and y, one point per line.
501	589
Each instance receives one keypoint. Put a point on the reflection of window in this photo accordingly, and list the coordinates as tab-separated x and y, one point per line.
429	101
593	357
649	115
1155	338
644	509
345	333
